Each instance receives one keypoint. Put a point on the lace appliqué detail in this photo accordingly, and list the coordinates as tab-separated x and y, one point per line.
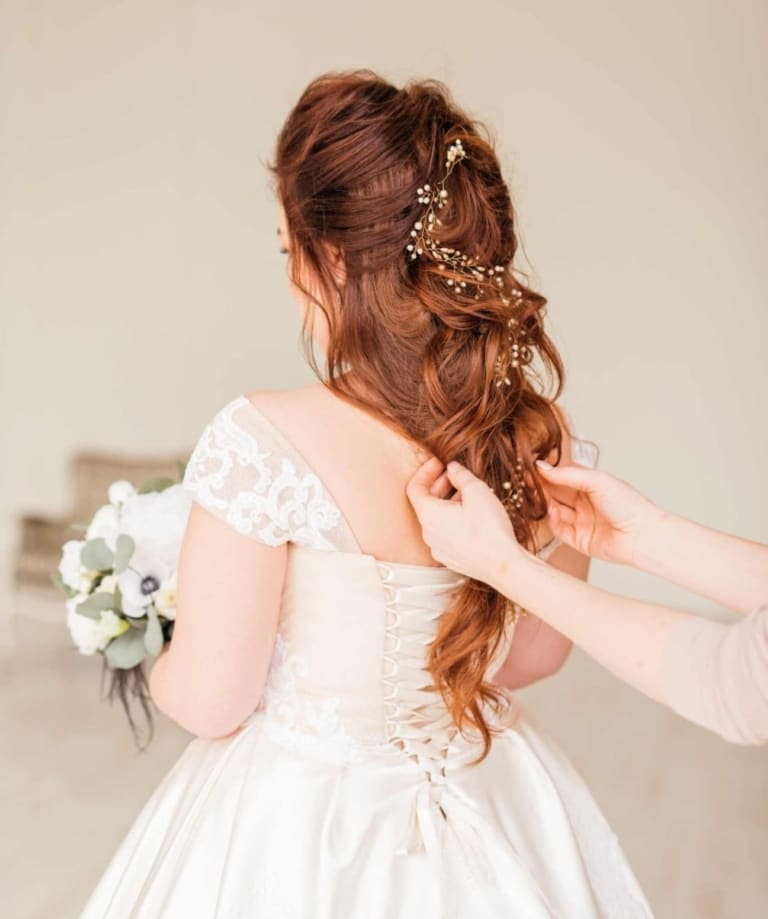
231	474
299	722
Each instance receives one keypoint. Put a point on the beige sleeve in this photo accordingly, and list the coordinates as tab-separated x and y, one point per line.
716	675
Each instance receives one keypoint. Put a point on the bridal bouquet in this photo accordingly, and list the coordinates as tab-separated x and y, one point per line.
120	583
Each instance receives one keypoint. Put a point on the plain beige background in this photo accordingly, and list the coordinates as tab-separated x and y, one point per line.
142	287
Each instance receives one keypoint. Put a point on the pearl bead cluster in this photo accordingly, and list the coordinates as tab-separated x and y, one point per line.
514	498
519	354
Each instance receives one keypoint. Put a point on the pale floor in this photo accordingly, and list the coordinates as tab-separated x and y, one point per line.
690	810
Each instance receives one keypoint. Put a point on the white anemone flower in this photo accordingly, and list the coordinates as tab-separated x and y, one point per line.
140	583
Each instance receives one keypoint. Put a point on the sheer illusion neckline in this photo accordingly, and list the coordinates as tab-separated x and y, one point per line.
278	433
291	446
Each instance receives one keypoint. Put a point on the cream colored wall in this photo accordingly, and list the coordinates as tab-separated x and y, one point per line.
141	282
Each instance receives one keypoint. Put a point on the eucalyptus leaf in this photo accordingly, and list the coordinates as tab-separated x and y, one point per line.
124	549
94	605
153	637
58	581
159	483
126	650
97	555
118	607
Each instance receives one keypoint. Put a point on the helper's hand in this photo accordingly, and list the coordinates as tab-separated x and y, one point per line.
596	513
471	532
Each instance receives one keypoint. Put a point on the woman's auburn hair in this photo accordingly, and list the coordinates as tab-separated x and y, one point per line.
348	160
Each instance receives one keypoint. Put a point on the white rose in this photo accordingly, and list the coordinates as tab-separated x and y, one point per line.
104	525
120	491
92	635
73	573
156	522
70	567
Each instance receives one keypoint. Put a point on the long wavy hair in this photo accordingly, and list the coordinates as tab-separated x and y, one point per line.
348	160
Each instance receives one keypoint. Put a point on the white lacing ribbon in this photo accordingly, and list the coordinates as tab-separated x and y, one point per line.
441	806
418	723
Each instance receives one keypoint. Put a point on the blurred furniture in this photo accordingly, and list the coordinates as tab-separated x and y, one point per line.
91	473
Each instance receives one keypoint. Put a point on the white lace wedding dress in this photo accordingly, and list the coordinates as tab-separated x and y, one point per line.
346	794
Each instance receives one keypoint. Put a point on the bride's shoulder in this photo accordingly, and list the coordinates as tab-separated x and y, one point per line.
247	428
247	471
293	401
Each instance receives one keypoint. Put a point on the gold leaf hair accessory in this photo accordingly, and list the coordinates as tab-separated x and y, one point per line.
424	242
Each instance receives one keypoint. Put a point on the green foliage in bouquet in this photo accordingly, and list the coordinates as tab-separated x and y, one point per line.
120	586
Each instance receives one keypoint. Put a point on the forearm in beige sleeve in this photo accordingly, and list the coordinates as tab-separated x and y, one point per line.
716	675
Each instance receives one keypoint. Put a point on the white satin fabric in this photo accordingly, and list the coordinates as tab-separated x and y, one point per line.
347	794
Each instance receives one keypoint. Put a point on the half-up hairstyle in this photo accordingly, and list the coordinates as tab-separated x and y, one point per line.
347	165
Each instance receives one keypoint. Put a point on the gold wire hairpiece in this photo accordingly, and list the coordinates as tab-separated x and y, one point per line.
424	242
514	487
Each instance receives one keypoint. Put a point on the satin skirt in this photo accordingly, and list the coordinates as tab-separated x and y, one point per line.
244	827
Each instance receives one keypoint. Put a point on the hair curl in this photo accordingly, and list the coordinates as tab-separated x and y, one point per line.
347	163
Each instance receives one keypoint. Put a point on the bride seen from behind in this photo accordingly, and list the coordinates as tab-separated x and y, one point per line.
367	464
348	693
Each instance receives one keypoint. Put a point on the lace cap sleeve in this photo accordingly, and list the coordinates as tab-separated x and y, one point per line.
243	472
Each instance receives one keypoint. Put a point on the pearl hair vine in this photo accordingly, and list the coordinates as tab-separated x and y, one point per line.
424	242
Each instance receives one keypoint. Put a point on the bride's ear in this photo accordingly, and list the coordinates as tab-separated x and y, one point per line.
338	265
